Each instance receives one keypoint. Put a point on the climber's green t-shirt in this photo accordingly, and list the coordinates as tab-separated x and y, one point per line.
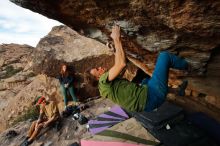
130	96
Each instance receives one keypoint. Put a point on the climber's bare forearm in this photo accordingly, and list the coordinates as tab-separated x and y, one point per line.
120	62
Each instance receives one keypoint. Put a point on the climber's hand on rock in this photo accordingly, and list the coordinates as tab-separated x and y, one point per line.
115	35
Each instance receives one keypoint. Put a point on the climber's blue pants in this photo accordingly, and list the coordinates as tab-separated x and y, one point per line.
158	83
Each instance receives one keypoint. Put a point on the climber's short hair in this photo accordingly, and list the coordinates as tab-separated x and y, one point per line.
89	78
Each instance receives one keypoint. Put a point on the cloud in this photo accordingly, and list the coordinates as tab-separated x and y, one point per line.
22	26
8	38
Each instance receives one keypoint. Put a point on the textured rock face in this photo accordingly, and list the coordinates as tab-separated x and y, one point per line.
69	46
63	45
14	76
188	27
14	73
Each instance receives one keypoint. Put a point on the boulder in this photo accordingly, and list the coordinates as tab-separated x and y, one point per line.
148	26
64	45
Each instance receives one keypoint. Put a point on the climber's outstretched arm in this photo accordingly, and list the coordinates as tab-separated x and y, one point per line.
120	61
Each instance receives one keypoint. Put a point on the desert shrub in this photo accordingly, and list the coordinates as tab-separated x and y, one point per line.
31	74
10	71
31	113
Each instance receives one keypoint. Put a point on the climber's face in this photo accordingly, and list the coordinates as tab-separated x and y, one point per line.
64	68
97	72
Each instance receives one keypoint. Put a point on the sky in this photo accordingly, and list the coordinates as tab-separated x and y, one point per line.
22	26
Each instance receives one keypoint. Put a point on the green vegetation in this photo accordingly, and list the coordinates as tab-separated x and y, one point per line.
31	113
31	74
2	50
13	61
10	71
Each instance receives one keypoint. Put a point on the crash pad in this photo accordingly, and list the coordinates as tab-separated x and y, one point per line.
115	115
167	113
129	131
